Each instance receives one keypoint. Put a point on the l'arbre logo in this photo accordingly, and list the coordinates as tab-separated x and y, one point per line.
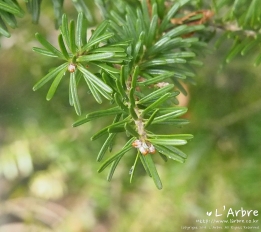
233	213
209	213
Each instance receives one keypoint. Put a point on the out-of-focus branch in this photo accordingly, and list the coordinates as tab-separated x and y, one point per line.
236	116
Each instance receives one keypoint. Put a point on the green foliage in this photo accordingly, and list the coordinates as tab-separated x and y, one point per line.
8	11
78	54
239	21
136	58
126	71
47	168
34	8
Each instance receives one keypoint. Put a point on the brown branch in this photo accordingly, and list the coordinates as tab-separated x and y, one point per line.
233	27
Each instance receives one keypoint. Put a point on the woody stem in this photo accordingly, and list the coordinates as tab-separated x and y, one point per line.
140	125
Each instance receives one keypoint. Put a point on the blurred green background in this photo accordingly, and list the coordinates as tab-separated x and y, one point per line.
48	170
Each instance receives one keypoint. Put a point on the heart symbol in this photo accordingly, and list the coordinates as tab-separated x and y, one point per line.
209	213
